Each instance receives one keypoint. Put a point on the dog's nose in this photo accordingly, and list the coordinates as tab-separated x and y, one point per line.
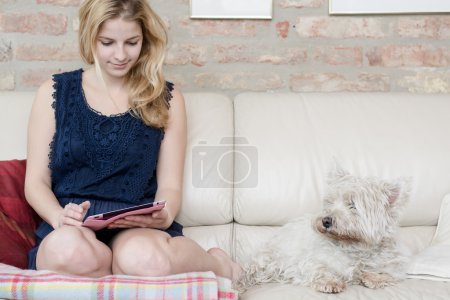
327	222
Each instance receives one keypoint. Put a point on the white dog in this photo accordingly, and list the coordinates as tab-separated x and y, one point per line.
350	242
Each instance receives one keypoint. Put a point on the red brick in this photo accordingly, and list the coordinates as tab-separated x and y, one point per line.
333	82
283	29
224	27
340	27
60	2
368	82
338	55
289	56
233	53
435	27
37	23
246	54
47	52
427	82
409	56
248	81
187	54
301	3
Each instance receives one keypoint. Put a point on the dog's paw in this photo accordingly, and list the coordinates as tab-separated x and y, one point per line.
377	280
331	286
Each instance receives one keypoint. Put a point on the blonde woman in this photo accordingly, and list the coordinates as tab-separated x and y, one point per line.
110	137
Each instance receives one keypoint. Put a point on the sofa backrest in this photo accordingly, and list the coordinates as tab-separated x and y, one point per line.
207	197
298	137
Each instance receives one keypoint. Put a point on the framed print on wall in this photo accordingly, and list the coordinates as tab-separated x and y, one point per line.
231	9
347	7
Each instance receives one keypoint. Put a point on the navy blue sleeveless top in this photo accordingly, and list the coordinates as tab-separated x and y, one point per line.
108	160
97	157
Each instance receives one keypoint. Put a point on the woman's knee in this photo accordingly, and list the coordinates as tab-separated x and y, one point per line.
143	257
69	250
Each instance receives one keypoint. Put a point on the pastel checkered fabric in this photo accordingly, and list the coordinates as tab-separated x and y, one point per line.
29	284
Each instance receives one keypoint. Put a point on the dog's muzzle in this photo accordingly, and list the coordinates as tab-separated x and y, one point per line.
327	222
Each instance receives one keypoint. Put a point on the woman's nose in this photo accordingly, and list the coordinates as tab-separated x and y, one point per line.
120	53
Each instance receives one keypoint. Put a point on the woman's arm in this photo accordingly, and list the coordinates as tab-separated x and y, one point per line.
171	159
41	128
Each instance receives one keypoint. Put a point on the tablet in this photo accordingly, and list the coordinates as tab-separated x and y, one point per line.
99	221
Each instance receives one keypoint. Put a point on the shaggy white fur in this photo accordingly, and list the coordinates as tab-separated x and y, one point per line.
350	242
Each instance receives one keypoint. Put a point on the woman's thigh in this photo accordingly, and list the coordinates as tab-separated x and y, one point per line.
74	250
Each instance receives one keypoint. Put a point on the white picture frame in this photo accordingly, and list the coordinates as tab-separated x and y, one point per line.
348	7
231	9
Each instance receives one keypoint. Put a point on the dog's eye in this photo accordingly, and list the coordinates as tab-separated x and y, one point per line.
352	205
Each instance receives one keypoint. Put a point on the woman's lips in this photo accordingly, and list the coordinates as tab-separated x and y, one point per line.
119	66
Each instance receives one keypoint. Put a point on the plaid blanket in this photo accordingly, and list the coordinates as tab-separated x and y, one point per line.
16	283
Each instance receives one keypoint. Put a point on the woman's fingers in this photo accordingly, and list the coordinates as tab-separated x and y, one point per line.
70	221
73	213
85	206
72	210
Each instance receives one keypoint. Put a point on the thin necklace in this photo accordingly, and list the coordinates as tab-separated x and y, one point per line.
114	102
100	77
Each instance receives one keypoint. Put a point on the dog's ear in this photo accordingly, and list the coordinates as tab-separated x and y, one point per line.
393	193
336	172
397	192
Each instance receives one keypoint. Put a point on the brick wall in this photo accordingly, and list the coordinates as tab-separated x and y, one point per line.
302	49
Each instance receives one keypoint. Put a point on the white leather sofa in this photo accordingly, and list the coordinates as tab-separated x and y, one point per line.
255	162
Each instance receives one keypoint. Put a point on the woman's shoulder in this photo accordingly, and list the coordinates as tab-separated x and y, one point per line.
173	94
47	89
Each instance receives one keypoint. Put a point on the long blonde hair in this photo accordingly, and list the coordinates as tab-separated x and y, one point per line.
148	94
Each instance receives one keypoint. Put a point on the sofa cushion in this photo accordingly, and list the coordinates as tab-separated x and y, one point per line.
30	284
17	219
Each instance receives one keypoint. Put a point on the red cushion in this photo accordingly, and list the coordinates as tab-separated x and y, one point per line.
17	219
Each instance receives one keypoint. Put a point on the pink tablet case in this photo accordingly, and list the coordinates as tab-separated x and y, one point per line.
97	224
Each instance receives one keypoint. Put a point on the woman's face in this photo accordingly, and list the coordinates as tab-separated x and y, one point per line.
118	46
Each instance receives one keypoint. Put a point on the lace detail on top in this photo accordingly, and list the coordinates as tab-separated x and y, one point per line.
99	113
169	89
98	157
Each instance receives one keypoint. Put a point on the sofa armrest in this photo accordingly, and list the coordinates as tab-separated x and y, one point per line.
434	262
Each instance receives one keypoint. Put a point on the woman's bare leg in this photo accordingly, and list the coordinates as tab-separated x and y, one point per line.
150	252
74	250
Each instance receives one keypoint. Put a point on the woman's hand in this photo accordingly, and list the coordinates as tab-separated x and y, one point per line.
159	219
73	214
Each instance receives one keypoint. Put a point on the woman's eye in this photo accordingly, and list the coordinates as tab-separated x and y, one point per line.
106	43
132	43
